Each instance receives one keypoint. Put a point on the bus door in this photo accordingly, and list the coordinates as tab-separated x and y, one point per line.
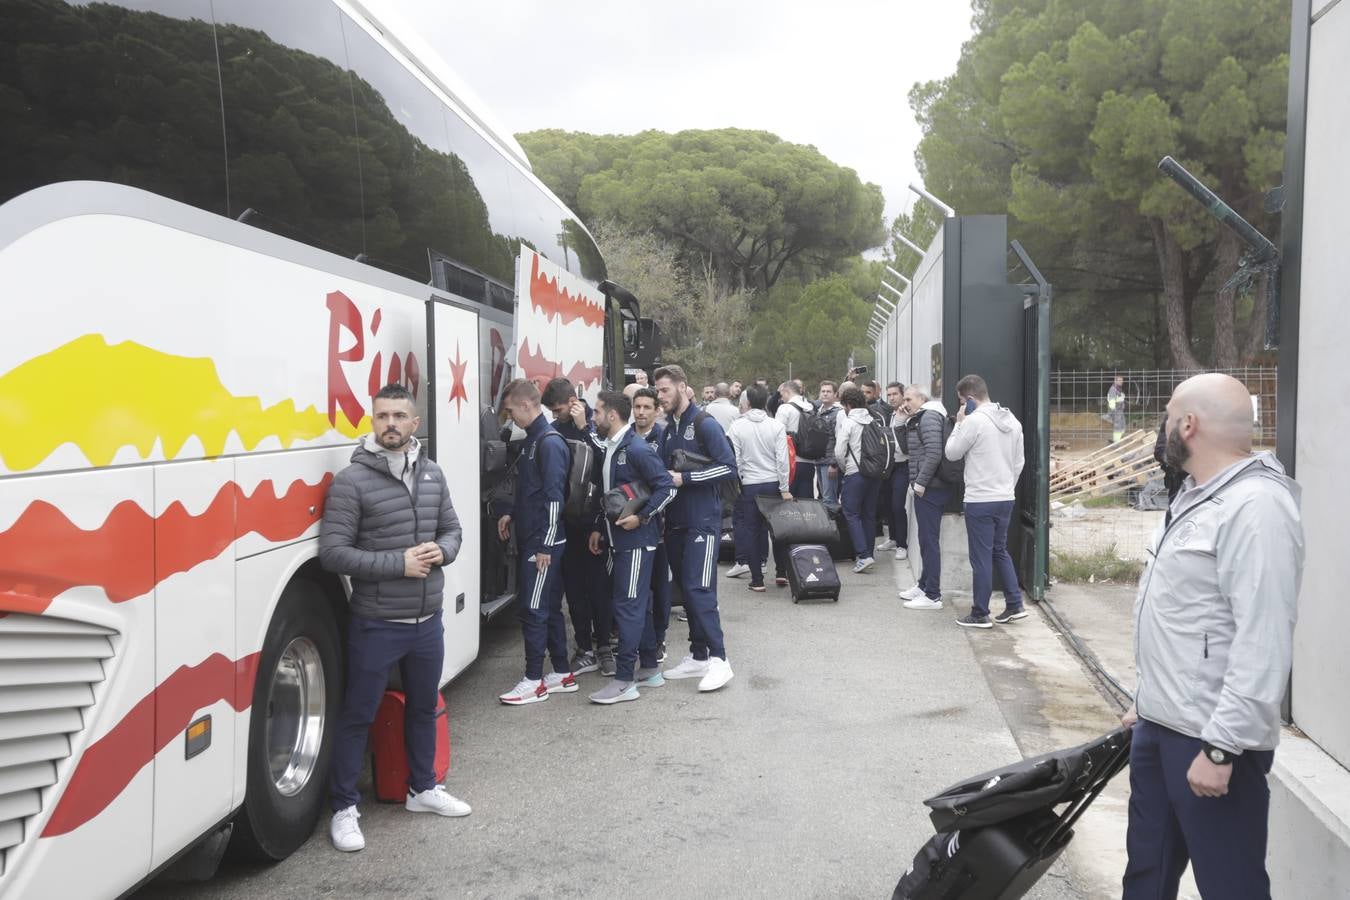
453	412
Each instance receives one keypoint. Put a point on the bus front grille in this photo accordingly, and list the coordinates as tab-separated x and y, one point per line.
48	669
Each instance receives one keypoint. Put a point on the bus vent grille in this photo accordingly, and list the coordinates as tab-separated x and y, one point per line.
48	669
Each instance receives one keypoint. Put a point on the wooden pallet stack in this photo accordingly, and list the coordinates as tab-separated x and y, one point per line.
1127	463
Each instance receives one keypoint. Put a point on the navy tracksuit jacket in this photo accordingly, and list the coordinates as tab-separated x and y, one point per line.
538	516
694	525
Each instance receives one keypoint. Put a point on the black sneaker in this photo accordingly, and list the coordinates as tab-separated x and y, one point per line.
682	615
1011	615
584	661
605	655
974	621
660	653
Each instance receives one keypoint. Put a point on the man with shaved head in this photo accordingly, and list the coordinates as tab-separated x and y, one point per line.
1214	626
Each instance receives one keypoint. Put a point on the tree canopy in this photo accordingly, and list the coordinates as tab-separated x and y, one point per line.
749	203
1058	115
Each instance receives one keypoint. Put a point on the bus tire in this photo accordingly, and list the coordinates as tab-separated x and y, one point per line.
296	698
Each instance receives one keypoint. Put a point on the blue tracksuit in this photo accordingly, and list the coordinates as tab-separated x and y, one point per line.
585	582
694	526
541	483
632	553
661	564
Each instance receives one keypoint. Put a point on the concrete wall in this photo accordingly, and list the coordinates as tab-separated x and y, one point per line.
1322	448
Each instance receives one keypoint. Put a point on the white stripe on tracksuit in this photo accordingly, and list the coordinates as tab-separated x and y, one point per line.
709	559
552	535
666	502
712	472
635	571
539	579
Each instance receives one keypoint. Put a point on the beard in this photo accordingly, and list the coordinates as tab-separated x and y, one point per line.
602	428
1176	454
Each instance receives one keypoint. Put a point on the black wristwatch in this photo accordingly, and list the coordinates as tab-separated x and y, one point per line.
1217	755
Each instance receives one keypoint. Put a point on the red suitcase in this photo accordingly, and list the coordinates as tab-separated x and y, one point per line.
390	765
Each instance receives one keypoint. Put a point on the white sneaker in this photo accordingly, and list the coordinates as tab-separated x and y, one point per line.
738	570
863	565
719	673
923	603
913	593
528	691
345	831
886	545
688	668
437	801
560	683
901	553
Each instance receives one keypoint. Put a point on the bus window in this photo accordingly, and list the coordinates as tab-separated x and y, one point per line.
120	92
406	169
486	241
292	149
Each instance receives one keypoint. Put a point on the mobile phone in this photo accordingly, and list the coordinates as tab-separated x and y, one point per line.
970	405
860	370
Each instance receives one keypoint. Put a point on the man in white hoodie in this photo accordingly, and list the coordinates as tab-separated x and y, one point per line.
989	439
760	444
789	413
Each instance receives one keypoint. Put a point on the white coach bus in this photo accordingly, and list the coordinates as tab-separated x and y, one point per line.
223	225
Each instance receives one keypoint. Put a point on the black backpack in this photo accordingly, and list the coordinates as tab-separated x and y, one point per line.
728	489
876	458
815	436
581	493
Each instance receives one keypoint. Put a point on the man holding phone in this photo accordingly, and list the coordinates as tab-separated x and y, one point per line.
989	438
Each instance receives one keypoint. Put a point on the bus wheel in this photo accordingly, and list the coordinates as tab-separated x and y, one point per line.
291	730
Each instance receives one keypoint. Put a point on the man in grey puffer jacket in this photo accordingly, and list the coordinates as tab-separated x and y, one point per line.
924	445
1214	628
388	523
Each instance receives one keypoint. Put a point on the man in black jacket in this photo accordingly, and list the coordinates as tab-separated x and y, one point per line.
388	523
924	444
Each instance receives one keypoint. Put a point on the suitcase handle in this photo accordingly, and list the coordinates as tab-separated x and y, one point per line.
1118	760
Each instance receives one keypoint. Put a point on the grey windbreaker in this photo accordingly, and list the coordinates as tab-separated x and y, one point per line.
1214	616
371	517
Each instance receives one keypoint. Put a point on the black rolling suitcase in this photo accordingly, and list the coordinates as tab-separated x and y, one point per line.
841	546
999	832
811	573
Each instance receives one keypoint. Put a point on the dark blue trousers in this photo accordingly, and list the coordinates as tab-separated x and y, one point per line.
743	515
987	538
756	530
693	563
661	592
631	576
541	615
928	510
899	490
587	589
1224	838
859	501
373	647
803	484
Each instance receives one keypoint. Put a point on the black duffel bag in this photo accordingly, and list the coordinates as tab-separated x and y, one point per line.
728	489
625	500
1032	784
797	521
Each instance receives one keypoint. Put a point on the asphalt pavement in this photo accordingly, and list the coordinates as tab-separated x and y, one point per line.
802	778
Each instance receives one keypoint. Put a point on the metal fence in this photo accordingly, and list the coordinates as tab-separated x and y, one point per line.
1117	526
1078	415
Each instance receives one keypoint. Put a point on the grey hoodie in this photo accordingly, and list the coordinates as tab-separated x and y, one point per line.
990	441
848	439
761	449
1214	617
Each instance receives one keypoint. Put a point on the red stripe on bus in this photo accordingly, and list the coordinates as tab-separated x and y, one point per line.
44	553
109	764
555	301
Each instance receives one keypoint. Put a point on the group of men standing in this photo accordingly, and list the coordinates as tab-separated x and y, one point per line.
617	575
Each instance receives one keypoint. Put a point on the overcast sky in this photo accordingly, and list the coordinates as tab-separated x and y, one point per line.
834	74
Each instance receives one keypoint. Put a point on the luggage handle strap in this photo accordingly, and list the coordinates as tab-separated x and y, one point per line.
1070	816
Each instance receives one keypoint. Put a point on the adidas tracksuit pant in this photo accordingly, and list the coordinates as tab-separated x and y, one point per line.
630	573
693	564
541	616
